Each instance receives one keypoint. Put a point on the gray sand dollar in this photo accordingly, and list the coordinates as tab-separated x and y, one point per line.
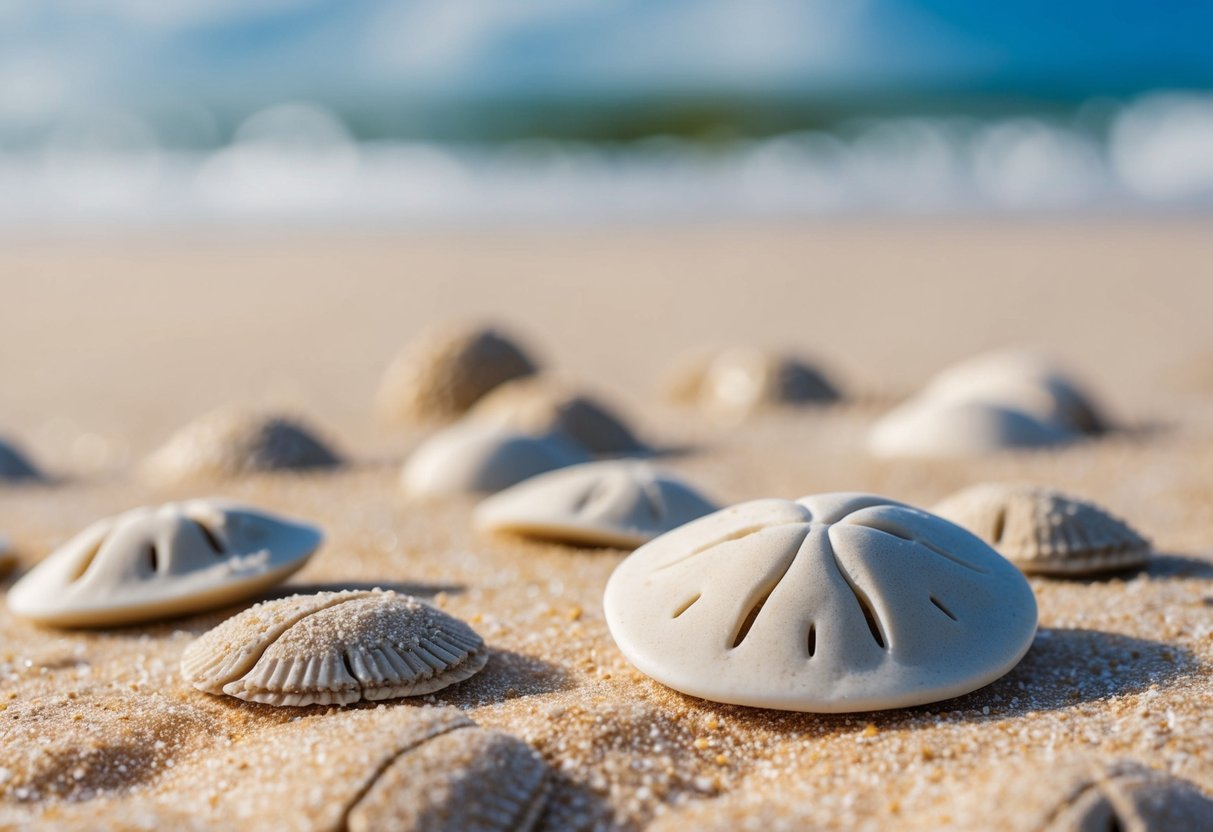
832	603
170	560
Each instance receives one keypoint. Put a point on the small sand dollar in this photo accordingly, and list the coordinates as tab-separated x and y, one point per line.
171	560
334	648
1021	380
741	380
542	405
446	370
471	458
831	603
620	503
933	428
1046	532
234	441
14	466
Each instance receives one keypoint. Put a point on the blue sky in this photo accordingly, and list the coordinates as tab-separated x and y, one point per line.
58	56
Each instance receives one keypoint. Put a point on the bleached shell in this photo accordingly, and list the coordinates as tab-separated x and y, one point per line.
832	603
14	466
234	441
470	458
1043	531
446	370
741	380
170	560
620	503
1021	380
541	405
478	781
334	648
931	428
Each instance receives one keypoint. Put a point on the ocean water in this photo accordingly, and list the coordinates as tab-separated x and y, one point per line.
297	164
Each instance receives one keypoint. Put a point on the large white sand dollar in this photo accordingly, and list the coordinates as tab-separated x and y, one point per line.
470	458
615	503
832	603
169	560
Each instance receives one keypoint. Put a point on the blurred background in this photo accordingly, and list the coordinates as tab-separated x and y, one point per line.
230	112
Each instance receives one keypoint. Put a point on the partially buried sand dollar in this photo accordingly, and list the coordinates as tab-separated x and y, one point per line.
614	503
1045	532
924	427
235	441
1024	380
831	603
334	648
739	381
541	405
170	560
471	458
446	370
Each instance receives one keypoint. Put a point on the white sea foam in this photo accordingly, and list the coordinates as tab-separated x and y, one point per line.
296	163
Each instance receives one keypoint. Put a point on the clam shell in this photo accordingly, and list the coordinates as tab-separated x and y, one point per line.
541	405
742	380
233	441
446	370
934	428
152	563
471	458
832	603
334	648
14	466
1021	380
1046	532
620	503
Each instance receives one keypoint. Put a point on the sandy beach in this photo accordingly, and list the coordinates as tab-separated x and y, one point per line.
111	344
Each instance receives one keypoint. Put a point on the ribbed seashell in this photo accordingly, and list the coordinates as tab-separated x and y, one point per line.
235	441
334	648
541	405
620	503
736	382
171	560
471	458
446	370
411	769
832	603
1022	380
1046	532
937	428
14	466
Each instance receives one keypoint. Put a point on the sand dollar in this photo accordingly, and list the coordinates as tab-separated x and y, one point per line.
15	466
1022	380
1046	532
741	380
934	428
831	603
446	370
471	458
169	560
235	441
334	648
541	405
620	503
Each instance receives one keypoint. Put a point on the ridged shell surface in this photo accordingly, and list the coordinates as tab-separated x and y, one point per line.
831	603
1043	531
334	648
